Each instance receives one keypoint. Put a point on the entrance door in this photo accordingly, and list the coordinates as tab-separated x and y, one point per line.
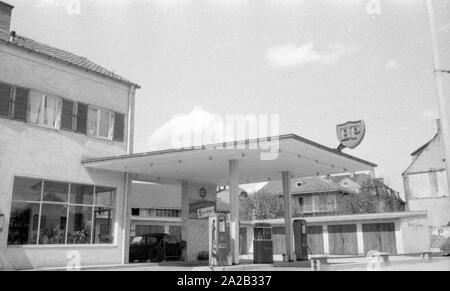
315	239
379	237
342	239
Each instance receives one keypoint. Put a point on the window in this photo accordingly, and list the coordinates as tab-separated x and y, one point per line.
44	110
135	211
48	212
100	122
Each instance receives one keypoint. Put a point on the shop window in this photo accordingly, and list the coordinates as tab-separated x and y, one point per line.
53	224
47	212
79	225
81	194
23	223
103	227
27	189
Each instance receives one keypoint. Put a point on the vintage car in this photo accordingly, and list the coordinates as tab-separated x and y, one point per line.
156	247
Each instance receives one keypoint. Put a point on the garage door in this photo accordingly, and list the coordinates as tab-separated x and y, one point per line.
379	237
315	239
342	239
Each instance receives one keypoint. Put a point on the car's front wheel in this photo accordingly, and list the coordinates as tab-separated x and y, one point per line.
156	255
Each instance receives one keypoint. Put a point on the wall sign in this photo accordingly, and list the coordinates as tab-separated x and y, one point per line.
350	134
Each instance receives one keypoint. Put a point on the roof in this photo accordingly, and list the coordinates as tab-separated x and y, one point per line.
317	184
210	163
422	148
83	63
344	218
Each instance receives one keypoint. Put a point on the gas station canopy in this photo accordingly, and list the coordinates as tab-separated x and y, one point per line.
260	160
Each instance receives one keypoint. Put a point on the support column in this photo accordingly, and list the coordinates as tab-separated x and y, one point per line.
234	201
286	177
127	218
185	214
360	238
326	240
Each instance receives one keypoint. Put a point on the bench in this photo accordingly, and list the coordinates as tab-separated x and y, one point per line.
318	261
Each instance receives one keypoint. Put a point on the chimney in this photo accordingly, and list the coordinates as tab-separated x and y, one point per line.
5	16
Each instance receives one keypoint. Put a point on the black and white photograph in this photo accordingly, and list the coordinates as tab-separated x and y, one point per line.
223	142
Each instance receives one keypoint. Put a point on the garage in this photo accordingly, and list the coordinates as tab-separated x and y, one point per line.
379	237
343	239
315	239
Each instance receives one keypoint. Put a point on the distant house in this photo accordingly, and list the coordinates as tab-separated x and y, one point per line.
321	196
425	183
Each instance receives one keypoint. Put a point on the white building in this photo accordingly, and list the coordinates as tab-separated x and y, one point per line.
57	108
425	182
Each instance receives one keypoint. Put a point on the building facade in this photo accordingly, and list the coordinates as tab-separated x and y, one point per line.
333	195
57	108
425	183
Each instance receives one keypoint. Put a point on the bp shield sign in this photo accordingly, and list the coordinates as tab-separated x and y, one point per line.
350	134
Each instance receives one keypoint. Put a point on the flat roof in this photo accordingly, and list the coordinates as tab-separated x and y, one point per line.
347	218
210	163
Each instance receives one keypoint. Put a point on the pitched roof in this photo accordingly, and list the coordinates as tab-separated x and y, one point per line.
422	148
61	55
308	185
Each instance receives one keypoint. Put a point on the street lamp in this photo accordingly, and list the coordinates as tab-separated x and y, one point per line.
439	73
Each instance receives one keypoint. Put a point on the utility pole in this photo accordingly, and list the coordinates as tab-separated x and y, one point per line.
439	73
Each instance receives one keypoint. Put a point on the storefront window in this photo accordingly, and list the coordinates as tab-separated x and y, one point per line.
55	191
48	212
80	225
103	227
53	224
81	194
23	223
26	189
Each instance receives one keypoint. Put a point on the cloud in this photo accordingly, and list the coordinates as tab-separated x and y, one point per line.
392	65
291	55
194	123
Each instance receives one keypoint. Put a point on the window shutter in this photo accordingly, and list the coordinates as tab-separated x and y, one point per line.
21	104
119	126
5	99
67	120
82	118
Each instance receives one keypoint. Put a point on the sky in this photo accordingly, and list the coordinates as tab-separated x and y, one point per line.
314	63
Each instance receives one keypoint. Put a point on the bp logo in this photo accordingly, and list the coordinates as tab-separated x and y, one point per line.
202	192
350	134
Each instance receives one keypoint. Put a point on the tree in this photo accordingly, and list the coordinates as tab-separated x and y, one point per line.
261	206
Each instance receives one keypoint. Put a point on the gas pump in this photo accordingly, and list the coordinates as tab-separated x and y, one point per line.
300	240
219	240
